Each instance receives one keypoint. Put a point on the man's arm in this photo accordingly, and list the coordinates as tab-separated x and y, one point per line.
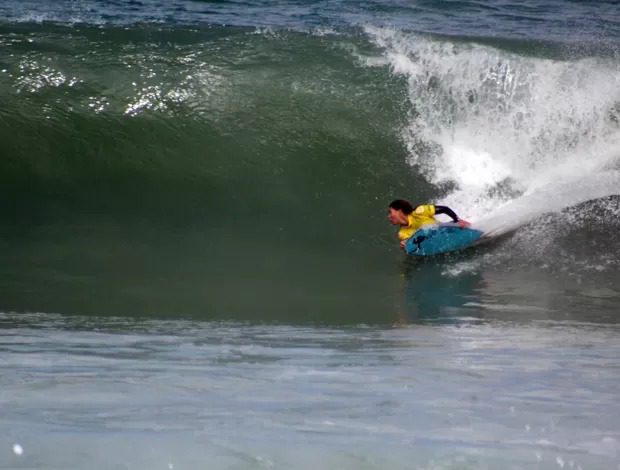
450	213
446	210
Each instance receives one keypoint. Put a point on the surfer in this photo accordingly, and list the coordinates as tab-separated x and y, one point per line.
410	219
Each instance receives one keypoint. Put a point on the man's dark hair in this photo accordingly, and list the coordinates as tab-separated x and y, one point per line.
402	205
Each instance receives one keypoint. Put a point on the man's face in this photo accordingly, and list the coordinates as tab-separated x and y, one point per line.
397	217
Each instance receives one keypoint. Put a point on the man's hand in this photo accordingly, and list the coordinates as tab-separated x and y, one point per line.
463	223
402	244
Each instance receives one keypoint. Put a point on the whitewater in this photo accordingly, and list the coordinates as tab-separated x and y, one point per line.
517	136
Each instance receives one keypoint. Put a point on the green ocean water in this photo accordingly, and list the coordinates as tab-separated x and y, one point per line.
223	179
160	170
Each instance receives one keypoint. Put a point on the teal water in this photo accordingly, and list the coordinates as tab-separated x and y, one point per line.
197	266
79	392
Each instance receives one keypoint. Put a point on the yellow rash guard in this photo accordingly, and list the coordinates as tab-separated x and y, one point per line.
421	215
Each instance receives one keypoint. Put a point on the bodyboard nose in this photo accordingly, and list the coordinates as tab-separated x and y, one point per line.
442	238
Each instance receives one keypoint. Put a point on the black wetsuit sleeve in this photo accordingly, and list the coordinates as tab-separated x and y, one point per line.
446	210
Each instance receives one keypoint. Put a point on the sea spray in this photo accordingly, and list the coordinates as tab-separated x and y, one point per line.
503	128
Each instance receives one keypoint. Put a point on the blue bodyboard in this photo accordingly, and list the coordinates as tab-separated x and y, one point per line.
442	238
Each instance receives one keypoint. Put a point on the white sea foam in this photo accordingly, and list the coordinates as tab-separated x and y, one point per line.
517	136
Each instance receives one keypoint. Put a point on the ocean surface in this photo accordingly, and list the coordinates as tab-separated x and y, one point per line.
197	270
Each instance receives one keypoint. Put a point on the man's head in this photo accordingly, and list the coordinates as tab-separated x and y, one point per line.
398	210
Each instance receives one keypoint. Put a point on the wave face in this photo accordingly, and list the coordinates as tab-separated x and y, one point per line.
149	157
260	121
